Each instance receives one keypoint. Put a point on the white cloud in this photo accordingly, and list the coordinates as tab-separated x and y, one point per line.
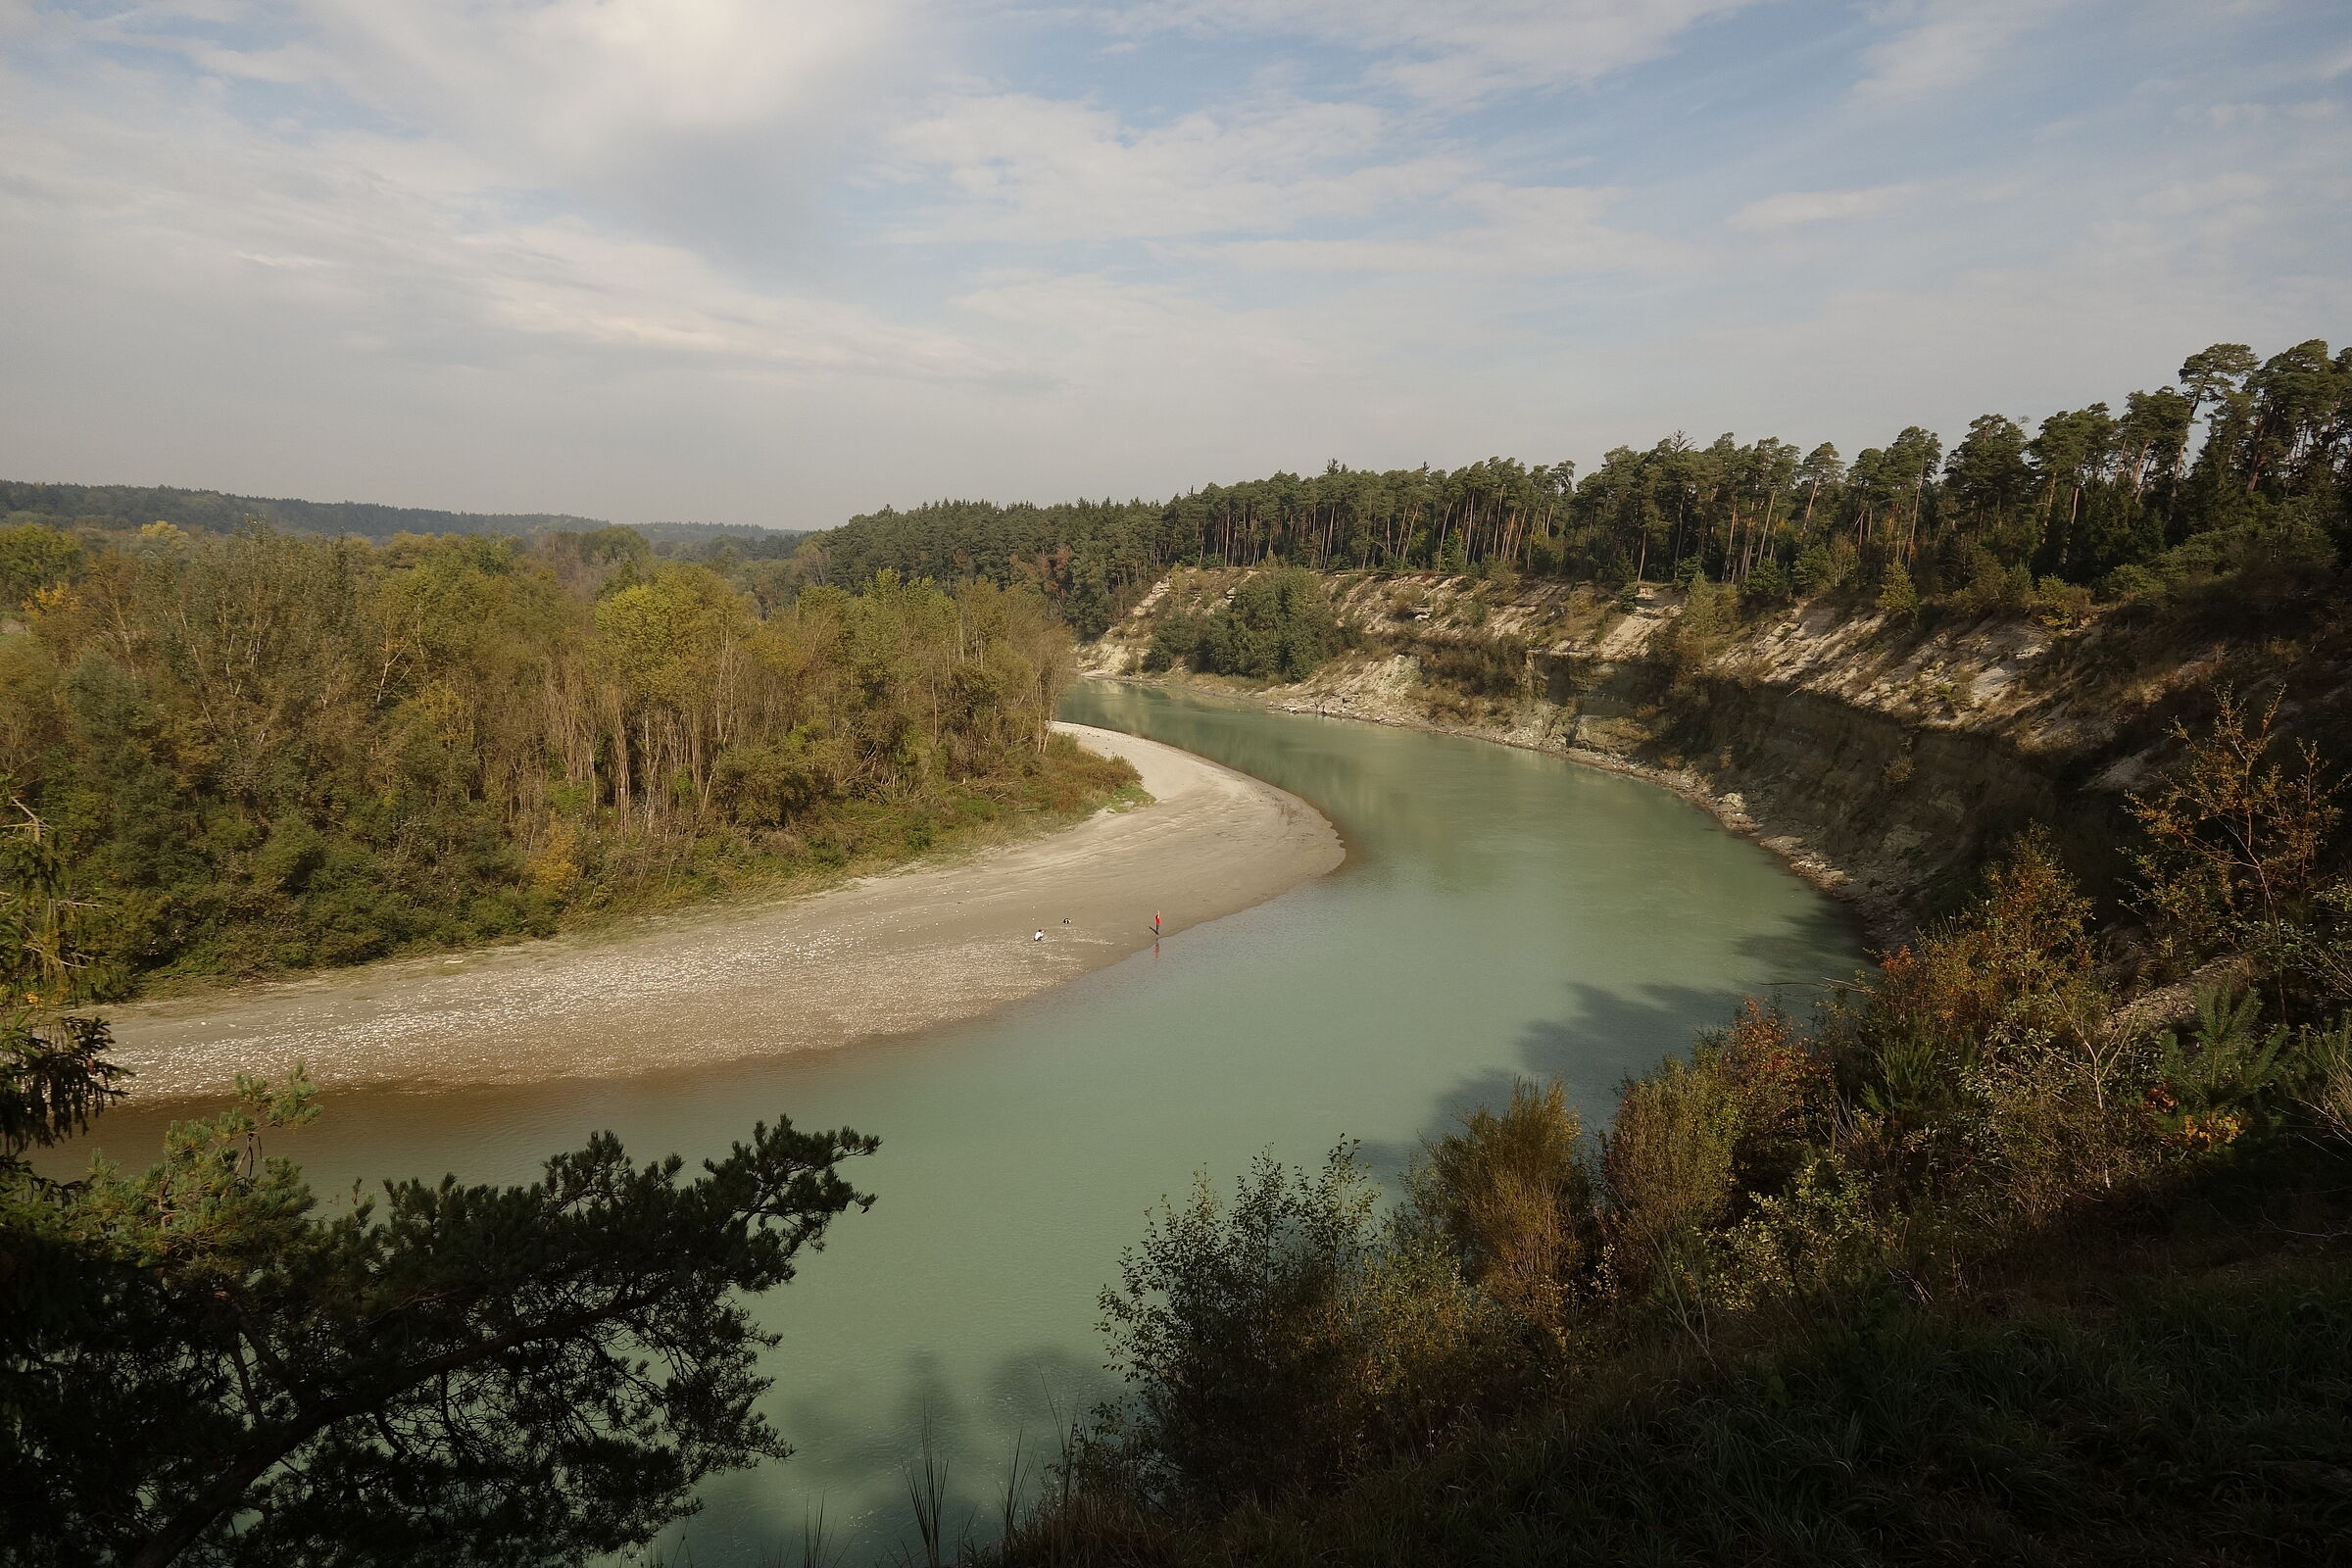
694	115
2181	198
1515	231
401	242
1793	209
1042	171
1457	49
575	80
1084	330
1945	44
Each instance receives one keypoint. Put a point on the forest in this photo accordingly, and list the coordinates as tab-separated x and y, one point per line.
2241	470
255	750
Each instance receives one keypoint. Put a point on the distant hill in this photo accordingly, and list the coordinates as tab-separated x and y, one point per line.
695	532
703	541
132	505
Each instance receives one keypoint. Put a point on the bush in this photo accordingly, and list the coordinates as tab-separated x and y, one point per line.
1667	1165
32	556
2236	842
1779	1287
1898	600
1769	583
1509	1200
1232	1326
1281	1342
1710	616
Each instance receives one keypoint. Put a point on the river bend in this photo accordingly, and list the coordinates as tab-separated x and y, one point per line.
1500	914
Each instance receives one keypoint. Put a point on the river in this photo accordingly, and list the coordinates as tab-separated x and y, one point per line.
1500	914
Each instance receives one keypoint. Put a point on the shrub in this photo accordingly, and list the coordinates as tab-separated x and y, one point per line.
1898	600
2018	958
1175	641
1281	1342
1768	582
1509	1198
1710	616
1231	1325
1666	1166
2235	846
32	556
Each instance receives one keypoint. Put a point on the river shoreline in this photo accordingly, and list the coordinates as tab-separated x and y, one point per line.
886	954
1882	922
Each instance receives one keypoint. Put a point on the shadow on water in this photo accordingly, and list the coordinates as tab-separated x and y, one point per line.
1605	1037
948	1446
1793	959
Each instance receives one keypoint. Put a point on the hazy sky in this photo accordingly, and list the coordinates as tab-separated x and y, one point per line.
778	261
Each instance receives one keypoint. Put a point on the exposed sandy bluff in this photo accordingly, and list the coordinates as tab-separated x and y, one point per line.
884	954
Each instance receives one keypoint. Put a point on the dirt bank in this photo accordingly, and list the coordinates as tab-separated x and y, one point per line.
1884	761
886	954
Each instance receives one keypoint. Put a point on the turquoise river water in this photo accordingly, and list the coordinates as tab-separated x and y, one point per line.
1500	914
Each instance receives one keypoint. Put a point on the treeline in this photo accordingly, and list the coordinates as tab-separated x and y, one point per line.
2246	466
2009	1253
747	539
257	751
115	506
1092	558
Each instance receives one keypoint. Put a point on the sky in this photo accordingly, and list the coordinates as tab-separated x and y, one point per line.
779	261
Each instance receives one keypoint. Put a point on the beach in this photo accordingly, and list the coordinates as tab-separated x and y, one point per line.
885	954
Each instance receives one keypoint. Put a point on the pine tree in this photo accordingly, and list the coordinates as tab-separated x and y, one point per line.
1898	599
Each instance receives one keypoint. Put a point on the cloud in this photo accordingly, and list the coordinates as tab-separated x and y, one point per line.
1461	49
1945	44
1085	330
1515	231
575	80
399	244
2181	198
1796	207
1040	172
698	117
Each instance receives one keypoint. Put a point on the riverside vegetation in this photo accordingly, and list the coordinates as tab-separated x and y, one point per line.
229	753
257	752
2030	1246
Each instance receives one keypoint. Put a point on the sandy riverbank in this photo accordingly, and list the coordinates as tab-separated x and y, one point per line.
885	954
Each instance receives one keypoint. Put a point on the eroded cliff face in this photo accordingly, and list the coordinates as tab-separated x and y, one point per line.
1884	760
